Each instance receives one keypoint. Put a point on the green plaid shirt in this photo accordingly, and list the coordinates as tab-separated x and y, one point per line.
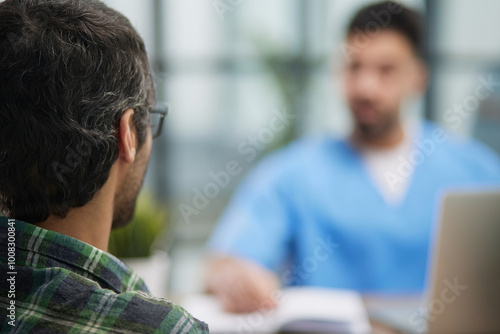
53	283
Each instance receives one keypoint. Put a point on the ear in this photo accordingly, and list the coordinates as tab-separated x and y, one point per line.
127	137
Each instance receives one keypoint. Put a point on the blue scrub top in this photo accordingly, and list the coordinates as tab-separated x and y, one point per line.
313	206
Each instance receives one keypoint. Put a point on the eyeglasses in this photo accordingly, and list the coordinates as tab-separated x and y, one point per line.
156	117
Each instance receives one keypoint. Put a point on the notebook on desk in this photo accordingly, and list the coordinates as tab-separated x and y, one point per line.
299	310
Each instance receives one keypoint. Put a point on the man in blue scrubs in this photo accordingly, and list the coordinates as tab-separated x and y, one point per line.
354	213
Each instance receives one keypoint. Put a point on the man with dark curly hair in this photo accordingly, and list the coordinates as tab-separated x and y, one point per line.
76	102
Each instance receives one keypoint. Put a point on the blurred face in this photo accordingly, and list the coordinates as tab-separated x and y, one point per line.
378	79
129	189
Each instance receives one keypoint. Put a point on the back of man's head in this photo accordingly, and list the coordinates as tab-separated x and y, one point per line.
68	70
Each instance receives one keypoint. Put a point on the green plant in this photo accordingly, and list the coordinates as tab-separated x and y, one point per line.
291	74
137	238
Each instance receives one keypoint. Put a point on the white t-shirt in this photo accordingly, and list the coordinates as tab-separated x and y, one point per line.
382	163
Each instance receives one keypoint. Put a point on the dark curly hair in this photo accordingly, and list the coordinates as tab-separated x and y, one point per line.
68	71
399	18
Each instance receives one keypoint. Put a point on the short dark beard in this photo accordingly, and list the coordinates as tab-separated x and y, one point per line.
371	132
127	195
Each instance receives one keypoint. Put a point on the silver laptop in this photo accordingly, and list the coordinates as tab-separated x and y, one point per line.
464	280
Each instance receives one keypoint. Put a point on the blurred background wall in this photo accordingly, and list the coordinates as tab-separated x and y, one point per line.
226	67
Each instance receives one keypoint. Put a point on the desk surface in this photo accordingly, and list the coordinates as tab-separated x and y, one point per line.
376	303
372	304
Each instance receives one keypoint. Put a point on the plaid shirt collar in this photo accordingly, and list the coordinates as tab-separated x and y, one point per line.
40	248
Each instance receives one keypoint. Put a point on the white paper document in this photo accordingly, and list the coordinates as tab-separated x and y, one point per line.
308	310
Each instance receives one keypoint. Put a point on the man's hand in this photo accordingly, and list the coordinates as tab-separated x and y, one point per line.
240	285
